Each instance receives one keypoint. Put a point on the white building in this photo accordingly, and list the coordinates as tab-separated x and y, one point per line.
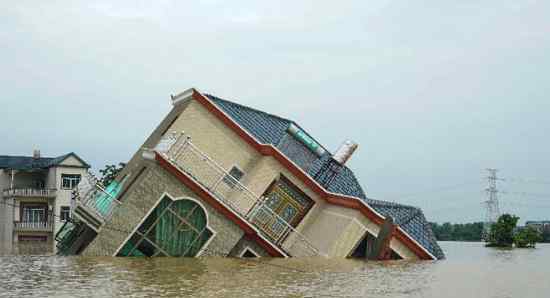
35	199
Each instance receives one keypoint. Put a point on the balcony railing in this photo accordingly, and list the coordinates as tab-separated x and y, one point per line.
93	196
185	156
30	192
33	226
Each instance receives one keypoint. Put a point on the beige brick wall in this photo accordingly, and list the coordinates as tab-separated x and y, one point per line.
142	197
333	232
224	146
339	230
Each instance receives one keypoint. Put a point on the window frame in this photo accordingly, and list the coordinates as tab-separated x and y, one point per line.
33	206
249	249
65	213
71	178
231	180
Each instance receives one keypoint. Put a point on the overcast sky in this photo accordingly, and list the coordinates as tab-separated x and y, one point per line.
433	91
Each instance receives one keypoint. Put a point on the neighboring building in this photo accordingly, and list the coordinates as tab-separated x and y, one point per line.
35	199
239	182
540	225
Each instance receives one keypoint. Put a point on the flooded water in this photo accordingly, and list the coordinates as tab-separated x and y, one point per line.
470	271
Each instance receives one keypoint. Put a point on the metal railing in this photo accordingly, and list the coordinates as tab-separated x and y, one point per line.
185	156
92	194
30	192
33	226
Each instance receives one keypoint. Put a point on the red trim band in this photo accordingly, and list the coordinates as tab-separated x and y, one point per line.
340	200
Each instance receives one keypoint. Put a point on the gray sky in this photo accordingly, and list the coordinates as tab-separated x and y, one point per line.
434	91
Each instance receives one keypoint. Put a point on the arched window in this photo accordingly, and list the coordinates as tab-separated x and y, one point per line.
174	228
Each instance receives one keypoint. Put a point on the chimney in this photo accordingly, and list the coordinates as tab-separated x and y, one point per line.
344	153
36	154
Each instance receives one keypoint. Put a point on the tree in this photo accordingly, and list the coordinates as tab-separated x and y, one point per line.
109	173
501	233
527	237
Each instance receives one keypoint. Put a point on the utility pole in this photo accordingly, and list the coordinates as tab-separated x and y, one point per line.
492	209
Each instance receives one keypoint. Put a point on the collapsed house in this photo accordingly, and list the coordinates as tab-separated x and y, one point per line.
216	178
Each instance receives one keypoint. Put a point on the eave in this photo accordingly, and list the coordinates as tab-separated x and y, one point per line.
332	198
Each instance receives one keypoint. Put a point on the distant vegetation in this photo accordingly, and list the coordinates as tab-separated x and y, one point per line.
503	233
458	232
527	237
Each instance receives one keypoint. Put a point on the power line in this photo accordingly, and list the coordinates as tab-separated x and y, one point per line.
527	180
527	194
527	204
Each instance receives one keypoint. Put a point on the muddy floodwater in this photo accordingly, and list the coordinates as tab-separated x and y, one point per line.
469	271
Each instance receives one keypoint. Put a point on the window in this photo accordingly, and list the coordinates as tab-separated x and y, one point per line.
69	181
65	213
32	238
285	205
173	229
249	253
234	176
34	213
39	184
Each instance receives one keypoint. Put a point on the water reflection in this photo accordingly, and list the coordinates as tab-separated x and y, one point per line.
470	271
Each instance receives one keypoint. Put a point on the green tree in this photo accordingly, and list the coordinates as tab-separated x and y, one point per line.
501	233
109	173
527	237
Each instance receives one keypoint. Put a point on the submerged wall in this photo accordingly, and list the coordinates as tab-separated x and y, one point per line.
141	197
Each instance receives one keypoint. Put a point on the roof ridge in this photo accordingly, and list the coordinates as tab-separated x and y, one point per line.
389	204
24	156
268	114
248	107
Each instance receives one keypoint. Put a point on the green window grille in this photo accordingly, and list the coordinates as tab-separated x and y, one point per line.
174	228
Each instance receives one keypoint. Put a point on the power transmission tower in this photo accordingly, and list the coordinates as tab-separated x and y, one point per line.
492	209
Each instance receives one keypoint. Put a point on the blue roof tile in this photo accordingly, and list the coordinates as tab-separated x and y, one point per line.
31	163
271	129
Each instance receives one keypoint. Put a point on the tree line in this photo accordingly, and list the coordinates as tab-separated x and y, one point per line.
458	232
471	232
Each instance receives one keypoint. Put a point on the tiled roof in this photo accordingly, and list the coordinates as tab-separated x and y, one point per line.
30	163
271	129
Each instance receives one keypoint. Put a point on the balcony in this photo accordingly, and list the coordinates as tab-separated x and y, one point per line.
33	226
94	202
29	193
186	157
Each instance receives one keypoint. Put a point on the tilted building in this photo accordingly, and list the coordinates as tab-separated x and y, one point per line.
219	178
35	199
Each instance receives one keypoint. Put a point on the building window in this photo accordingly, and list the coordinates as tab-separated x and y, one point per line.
34	213
39	184
33	238
249	253
65	213
285	205
173	229
234	176
69	181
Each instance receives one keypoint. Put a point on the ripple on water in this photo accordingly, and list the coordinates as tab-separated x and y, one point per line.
470	271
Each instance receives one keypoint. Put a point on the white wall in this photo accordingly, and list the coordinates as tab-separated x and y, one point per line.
6	214
63	195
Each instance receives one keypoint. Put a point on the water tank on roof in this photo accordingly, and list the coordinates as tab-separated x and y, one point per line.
344	153
305	139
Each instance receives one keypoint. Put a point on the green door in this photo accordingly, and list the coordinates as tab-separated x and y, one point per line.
174	228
